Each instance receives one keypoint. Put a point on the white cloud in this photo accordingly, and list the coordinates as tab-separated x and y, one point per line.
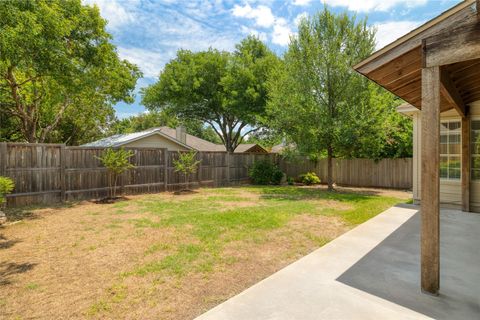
251	31
299	17
374	5
150	62
262	15
281	32
301	2
116	12
390	31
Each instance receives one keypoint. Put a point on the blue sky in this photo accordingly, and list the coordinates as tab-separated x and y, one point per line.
149	32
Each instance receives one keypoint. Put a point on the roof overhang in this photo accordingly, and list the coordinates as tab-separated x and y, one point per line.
451	41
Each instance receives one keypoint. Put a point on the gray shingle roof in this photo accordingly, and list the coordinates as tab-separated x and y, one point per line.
192	142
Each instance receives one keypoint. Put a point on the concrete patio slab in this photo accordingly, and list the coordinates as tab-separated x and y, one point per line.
371	272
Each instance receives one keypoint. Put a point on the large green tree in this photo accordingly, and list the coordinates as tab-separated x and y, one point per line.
56	57
316	98
224	90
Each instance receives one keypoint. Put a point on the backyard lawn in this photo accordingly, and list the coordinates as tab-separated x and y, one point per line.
166	256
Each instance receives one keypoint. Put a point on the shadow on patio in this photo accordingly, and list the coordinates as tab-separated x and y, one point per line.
391	270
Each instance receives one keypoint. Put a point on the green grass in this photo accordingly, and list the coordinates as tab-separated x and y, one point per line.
207	222
32	286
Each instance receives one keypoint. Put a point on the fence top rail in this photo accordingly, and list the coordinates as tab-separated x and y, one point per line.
27	144
104	148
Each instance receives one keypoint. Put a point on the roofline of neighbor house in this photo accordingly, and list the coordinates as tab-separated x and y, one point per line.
415	32
159	132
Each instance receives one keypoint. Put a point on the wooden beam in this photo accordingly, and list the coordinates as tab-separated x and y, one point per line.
430	181
454	45
450	92
454	16
466	163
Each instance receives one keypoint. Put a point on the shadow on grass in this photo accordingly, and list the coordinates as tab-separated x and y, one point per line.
313	193
8	269
6	243
28	212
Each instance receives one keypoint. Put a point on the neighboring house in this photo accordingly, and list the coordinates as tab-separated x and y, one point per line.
172	139
450	155
281	147
278	148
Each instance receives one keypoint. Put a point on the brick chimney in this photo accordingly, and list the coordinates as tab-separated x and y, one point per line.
181	134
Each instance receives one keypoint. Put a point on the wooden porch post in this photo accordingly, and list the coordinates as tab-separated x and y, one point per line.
430	181
465	167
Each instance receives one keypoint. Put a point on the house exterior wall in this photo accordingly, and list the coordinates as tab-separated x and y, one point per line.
450	190
156	141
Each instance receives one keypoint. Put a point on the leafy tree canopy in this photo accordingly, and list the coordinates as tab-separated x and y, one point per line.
56	58
316	98
225	90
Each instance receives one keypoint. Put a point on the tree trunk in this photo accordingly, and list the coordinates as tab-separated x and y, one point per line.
330	168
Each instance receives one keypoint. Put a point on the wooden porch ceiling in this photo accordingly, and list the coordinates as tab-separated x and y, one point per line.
398	67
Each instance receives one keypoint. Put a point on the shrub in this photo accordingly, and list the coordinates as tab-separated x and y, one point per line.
309	178
116	162
6	186
264	172
186	164
290	181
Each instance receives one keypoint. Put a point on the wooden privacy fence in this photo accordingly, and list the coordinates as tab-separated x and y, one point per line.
50	173
385	173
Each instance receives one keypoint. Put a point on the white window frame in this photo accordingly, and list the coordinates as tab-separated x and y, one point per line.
449	155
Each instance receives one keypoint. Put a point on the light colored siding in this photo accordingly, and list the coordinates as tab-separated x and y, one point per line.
417	128
450	191
156	141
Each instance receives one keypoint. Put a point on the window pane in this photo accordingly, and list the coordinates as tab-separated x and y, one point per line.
454	174
443	148
476	137
454	162
476	163
454	149
444	126
443	138
476	125
475	174
454	138
444	167
476	148
455	125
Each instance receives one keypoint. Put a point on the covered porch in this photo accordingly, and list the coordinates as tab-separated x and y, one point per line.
435	68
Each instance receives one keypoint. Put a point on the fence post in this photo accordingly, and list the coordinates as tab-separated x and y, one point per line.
199	173
228	168
3	158
62	172
214	168
165	169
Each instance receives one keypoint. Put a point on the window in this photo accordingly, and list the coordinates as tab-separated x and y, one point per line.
475	136
450	150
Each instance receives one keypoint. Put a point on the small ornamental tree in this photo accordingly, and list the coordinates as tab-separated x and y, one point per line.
186	164
6	186
116	162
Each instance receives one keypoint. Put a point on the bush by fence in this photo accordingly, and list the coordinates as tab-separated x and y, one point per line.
50	173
